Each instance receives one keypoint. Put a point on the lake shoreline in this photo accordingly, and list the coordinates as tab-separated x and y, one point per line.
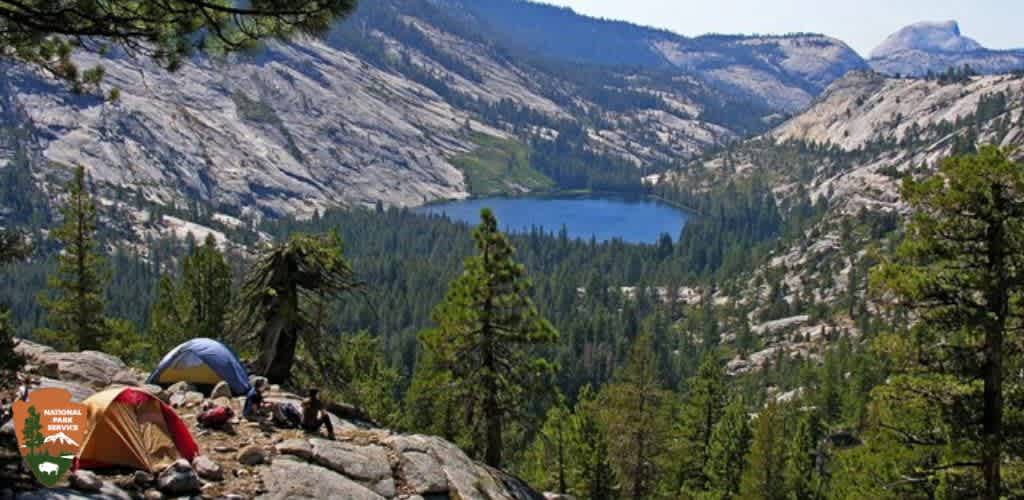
632	218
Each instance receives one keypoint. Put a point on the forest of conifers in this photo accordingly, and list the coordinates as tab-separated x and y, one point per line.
526	350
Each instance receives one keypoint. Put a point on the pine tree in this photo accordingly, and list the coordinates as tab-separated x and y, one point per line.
196	305
206	278
75	309
961	270
13	248
704	405
636	417
763	477
801	474
486	327
169	316
730	443
124	341
595	470
431	406
281	293
549	462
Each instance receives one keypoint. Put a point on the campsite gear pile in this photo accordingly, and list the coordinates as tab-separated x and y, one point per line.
133	427
216	417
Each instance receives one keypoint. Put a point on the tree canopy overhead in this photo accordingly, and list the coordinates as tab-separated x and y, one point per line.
45	31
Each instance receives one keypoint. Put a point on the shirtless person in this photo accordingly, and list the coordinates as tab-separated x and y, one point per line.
314	416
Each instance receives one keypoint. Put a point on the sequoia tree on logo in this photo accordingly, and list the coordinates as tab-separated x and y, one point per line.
50	430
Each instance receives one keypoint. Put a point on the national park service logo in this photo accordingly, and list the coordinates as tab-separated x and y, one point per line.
50	430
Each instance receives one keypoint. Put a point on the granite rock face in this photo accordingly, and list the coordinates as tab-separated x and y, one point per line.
297	127
935	47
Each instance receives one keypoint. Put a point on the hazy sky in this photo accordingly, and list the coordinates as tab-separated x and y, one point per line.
861	23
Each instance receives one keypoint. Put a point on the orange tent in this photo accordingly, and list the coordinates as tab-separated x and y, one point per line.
132	428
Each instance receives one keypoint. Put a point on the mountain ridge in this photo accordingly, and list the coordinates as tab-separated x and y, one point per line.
934	47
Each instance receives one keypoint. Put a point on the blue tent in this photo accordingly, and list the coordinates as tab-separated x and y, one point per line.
202	361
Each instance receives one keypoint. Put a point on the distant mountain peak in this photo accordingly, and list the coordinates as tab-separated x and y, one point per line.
927	37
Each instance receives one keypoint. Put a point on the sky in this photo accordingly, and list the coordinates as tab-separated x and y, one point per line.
863	24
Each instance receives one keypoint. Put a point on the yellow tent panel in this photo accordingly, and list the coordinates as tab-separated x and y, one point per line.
132	428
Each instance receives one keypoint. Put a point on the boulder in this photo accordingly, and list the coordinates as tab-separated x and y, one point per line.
83	480
193	398
253	455
130	377
179	479
221	390
142	478
422	474
296	447
180	387
107	492
369	465
93	368
466	478
32	351
177	400
290	478
79	392
207	469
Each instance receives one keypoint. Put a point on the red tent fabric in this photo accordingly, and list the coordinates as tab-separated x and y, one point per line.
132	428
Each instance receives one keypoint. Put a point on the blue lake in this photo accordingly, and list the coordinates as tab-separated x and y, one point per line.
634	221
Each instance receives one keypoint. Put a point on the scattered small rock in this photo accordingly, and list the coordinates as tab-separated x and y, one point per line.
152	494
176	400
157	391
8	429
221	390
193	398
253	455
208	469
181	387
83	480
142	478
179	479
225	449
241	473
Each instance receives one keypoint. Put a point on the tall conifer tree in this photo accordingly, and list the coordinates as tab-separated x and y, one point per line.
75	308
486	327
636	413
961	270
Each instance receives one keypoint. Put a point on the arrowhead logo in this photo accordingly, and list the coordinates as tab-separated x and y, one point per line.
50	430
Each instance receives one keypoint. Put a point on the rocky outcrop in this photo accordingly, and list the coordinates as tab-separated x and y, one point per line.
256	459
88	368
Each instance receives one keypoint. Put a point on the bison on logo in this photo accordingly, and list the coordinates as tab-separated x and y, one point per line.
50	430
